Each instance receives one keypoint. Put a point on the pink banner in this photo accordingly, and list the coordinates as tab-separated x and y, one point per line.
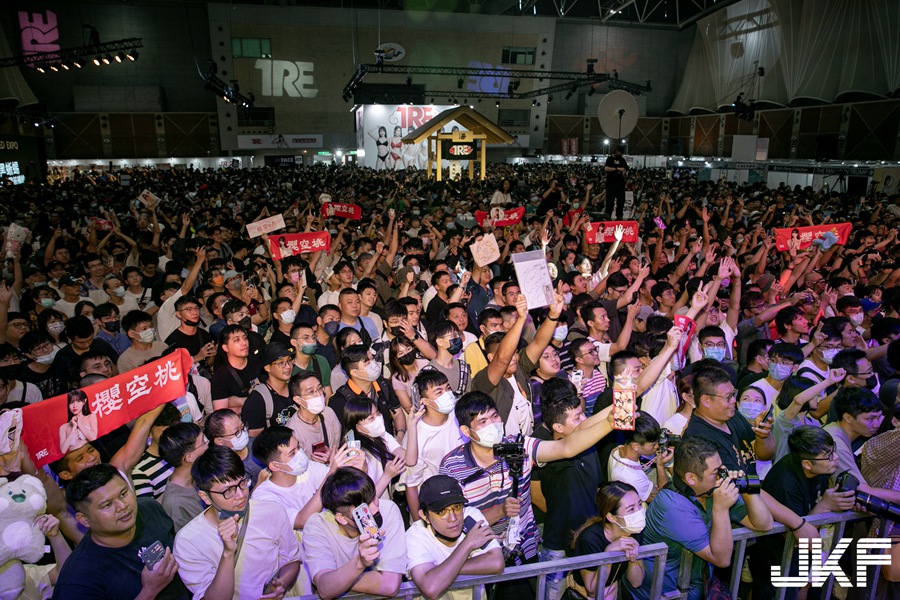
291	244
802	237
604	231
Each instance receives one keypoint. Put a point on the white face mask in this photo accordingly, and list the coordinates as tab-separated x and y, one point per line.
316	404
56	328
567	297
47	358
560	333
857	319
445	403
298	464
489	435
375	428
118	292
373	370
828	354
288	316
634	523
240	441
148	336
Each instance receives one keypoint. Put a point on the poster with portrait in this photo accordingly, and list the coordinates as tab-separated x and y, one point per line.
380	131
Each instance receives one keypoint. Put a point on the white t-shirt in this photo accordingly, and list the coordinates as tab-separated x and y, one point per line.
374	468
128	305
430	293
136	298
696	354
629	471
434	443
521	417
327	547
31	393
423	547
166	321
68	308
269	544
295	497
676	424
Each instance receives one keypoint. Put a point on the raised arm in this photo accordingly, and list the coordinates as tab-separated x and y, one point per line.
544	333
496	369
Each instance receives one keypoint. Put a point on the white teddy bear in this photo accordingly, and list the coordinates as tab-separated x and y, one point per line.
21	501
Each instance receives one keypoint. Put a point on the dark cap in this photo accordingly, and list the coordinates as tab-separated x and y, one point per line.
440	491
69	280
276	351
765	282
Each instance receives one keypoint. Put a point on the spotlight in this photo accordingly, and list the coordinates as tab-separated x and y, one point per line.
132	55
119	57
534	103
107	59
606	142
41	69
549	99
459	83
78	62
54	68
497	104
97	60
64	65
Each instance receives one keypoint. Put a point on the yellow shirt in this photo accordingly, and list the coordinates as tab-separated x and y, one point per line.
476	357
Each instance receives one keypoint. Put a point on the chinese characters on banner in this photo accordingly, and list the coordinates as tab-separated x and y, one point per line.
802	237
257	228
500	217
604	232
291	244
341	210
114	402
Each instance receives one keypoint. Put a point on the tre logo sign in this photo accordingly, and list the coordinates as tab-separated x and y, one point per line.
286	78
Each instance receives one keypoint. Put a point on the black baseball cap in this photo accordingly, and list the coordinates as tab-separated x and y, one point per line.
440	491
276	351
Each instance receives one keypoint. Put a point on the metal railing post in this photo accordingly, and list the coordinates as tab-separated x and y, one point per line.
737	564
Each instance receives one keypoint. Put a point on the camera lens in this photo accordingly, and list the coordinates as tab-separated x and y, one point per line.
878	506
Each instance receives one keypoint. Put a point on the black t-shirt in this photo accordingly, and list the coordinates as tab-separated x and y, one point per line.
280	337
68	354
787	483
615	178
570	488
94	571
735	448
435	307
385	399
228	381
191	343
253	412
591	541
53	382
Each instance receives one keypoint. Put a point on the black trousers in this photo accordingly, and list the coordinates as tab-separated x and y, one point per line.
615	195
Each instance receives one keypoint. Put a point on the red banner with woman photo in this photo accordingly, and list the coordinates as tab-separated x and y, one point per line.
801	238
291	244
341	211
604	232
500	217
54	427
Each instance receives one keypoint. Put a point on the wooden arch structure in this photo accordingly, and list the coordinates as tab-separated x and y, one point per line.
470	144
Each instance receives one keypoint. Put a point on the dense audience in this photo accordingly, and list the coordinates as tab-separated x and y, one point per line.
392	409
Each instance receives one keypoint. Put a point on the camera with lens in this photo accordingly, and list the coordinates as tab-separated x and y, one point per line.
512	452
880	507
745	484
667	439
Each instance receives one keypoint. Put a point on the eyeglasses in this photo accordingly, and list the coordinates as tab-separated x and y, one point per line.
865	375
236	433
828	457
284	362
731	396
456	509
190	309
231	491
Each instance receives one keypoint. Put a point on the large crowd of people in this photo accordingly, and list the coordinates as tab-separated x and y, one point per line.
389	409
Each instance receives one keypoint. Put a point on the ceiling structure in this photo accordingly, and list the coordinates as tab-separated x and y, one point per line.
671	14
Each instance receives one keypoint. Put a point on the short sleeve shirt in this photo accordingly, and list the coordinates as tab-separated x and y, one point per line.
735	448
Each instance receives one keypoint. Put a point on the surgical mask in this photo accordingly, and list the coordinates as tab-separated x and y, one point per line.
298	464
455	347
118	292
857	319
780	372
332	328
416	269
490	435
396	331
560	333
47	358
375	428
373	371
56	328
295	276
751	410
112	326
192	323
309	349
445	403
407	359
567	297
872	383
316	404
828	355
246	323
235	284
288	316
715	353
240	441
148	336
218	281
634	523
48	302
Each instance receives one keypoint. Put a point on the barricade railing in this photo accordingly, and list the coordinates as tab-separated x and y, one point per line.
602	561
743	535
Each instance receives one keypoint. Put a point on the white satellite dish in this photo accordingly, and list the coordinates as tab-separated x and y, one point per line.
618	114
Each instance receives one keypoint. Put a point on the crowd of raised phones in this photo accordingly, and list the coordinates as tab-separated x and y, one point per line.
361	416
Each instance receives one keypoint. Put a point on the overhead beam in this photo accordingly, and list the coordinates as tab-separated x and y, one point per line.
24	60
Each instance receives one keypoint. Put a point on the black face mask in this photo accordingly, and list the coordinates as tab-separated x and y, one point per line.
456	346
407	359
246	323
396	331
872	382
112	326
195	323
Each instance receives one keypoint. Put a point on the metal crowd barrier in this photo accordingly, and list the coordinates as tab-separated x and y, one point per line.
742	535
601	560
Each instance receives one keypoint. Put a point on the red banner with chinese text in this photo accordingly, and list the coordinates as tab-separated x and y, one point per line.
111	403
605	231
500	217
291	244
341	210
802	237
688	328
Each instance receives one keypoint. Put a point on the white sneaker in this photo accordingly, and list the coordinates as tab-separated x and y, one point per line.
746	577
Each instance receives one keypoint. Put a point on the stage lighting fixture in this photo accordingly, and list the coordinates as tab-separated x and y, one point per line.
78	62
40	69
54	68
497	104
107	59
132	56
120	56
64	65
97	60
459	83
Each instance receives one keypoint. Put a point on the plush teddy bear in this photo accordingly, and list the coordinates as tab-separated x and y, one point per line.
21	501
